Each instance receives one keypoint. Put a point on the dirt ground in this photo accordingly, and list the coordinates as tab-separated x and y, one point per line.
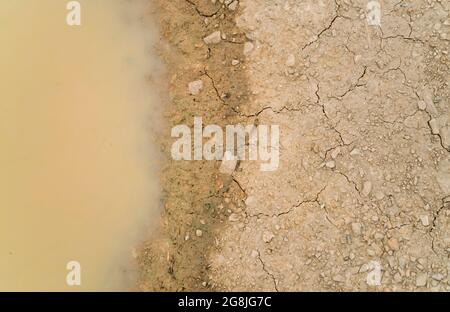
361	199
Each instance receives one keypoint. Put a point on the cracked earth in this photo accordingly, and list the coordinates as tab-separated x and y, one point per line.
361	198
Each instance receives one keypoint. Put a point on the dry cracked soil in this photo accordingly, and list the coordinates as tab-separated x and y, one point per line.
361	197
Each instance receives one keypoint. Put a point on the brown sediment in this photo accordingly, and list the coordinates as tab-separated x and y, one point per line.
175	259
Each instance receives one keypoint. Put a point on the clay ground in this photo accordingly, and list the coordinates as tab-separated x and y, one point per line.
361	198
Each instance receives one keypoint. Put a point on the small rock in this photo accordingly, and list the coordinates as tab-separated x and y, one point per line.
235	62
364	268
290	62
268	236
421	280
422	105
427	96
233	217
254	254
330	164
367	188
355	152
335	153
438	276
233	6
195	87
393	244
229	163
379	195
356	228
445	136
339	278
422	261
199	233
397	277
213	38
250	200
434	125
425	221
374	276
248	47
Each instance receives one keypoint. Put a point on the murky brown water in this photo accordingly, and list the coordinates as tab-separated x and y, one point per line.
77	169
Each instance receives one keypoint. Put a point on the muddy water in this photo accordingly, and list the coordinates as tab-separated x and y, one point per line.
77	163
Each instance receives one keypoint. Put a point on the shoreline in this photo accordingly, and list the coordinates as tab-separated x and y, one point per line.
175	258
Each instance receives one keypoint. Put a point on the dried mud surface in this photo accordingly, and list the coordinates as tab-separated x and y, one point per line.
364	176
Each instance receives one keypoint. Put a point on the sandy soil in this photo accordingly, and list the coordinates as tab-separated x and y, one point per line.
362	195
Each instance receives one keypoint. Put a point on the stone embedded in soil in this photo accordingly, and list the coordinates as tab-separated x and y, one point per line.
213	38
290	62
374	276
422	105
379	195
335	153
330	164
199	233
438	276
445	136
233	217
434	126
356	228
195	87
425	220
421	279
233	5
367	188
443	176
229	163
393	244
355	152
268	236
250	201
339	278
248	48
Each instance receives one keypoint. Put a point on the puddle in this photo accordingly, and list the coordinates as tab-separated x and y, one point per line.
78	175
